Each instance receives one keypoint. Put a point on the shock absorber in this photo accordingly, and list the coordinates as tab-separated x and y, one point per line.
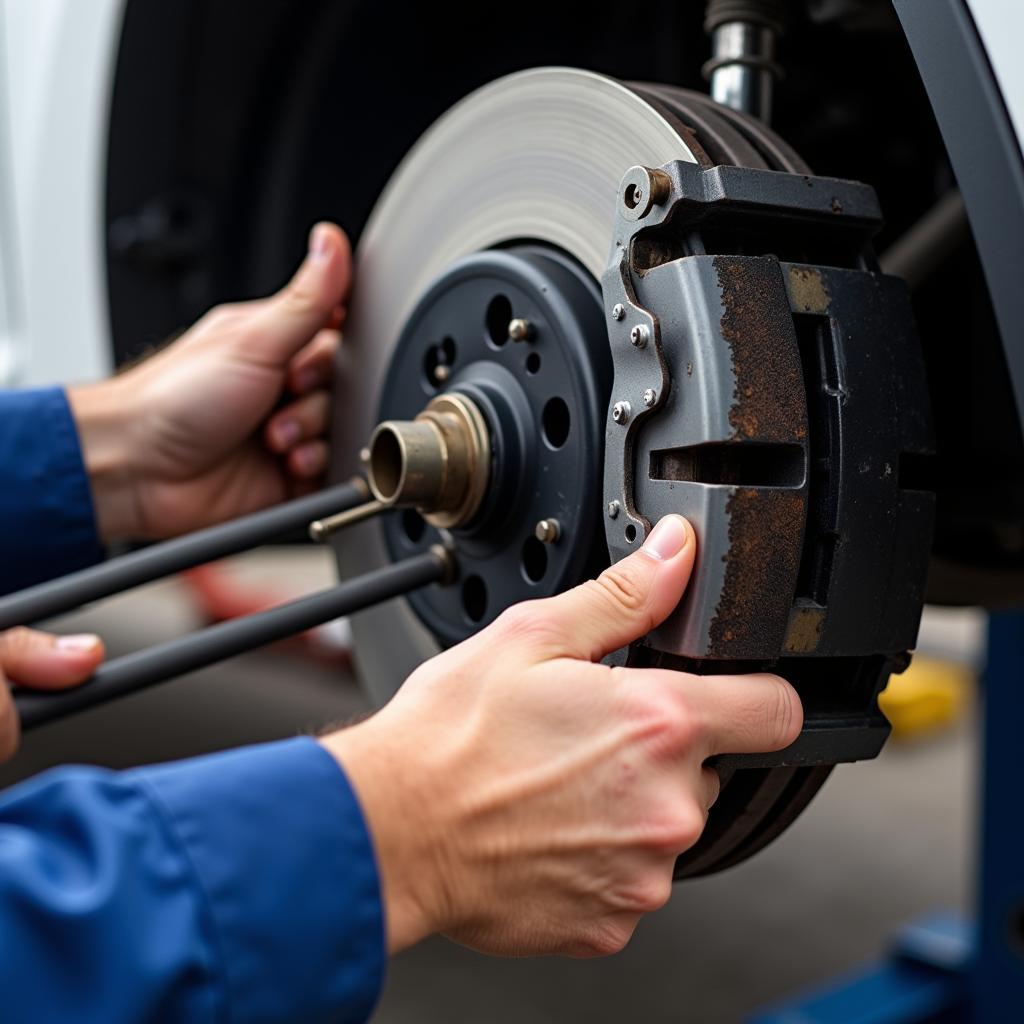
742	68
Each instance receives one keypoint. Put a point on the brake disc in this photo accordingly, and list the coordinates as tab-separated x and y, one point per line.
535	156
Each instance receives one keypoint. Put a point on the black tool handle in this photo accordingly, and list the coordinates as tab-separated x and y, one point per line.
159	560
140	669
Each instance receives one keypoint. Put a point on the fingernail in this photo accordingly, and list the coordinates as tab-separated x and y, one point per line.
319	242
286	433
77	642
667	538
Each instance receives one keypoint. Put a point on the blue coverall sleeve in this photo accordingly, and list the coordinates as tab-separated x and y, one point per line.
46	517
238	887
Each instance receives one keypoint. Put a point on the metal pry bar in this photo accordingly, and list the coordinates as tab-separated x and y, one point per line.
159	560
136	671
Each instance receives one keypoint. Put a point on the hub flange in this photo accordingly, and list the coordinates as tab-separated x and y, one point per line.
517	337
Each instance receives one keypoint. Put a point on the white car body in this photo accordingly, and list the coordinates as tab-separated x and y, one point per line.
58	59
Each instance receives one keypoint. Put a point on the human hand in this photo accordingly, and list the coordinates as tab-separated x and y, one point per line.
44	662
193	435
525	799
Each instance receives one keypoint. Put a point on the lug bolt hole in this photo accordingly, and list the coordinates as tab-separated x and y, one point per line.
630	532
533	363
413	525
474	598
555	422
534	558
499	315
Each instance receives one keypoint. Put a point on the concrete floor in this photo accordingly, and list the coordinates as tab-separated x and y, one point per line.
883	843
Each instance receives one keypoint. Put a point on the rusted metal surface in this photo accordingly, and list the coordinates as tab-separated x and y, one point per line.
766	525
765	533
807	290
768	400
805	625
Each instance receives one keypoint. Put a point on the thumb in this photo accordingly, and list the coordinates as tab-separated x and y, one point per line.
41	660
629	598
290	319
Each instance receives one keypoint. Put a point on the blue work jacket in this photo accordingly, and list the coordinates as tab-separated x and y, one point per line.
237	887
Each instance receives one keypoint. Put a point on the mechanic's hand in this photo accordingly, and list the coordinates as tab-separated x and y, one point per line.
523	798
230	418
43	662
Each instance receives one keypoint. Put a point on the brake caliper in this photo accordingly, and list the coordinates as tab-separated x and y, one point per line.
769	385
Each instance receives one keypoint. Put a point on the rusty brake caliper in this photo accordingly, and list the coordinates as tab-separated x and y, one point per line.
769	386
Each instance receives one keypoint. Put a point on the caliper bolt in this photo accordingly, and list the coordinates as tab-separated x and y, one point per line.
618	311
620	412
613	509
640	335
521	330
650	397
643	188
547	531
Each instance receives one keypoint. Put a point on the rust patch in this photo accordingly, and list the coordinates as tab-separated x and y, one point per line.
765	534
769	404
808	291
805	626
766	525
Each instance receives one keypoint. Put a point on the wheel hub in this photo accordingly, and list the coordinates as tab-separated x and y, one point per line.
518	336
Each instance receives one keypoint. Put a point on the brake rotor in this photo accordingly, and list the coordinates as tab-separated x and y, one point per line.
535	158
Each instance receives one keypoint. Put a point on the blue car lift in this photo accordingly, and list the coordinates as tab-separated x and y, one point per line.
944	970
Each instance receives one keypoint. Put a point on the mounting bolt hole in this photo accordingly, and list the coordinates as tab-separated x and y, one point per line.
555	422
499	315
534	558
533	362
413	525
630	532
474	598
633	195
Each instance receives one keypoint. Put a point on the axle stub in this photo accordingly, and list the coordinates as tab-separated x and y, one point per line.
438	464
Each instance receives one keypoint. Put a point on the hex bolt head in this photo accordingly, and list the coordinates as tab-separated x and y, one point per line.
650	397
620	412
441	373
640	335
613	509
548	531
521	330
618	311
